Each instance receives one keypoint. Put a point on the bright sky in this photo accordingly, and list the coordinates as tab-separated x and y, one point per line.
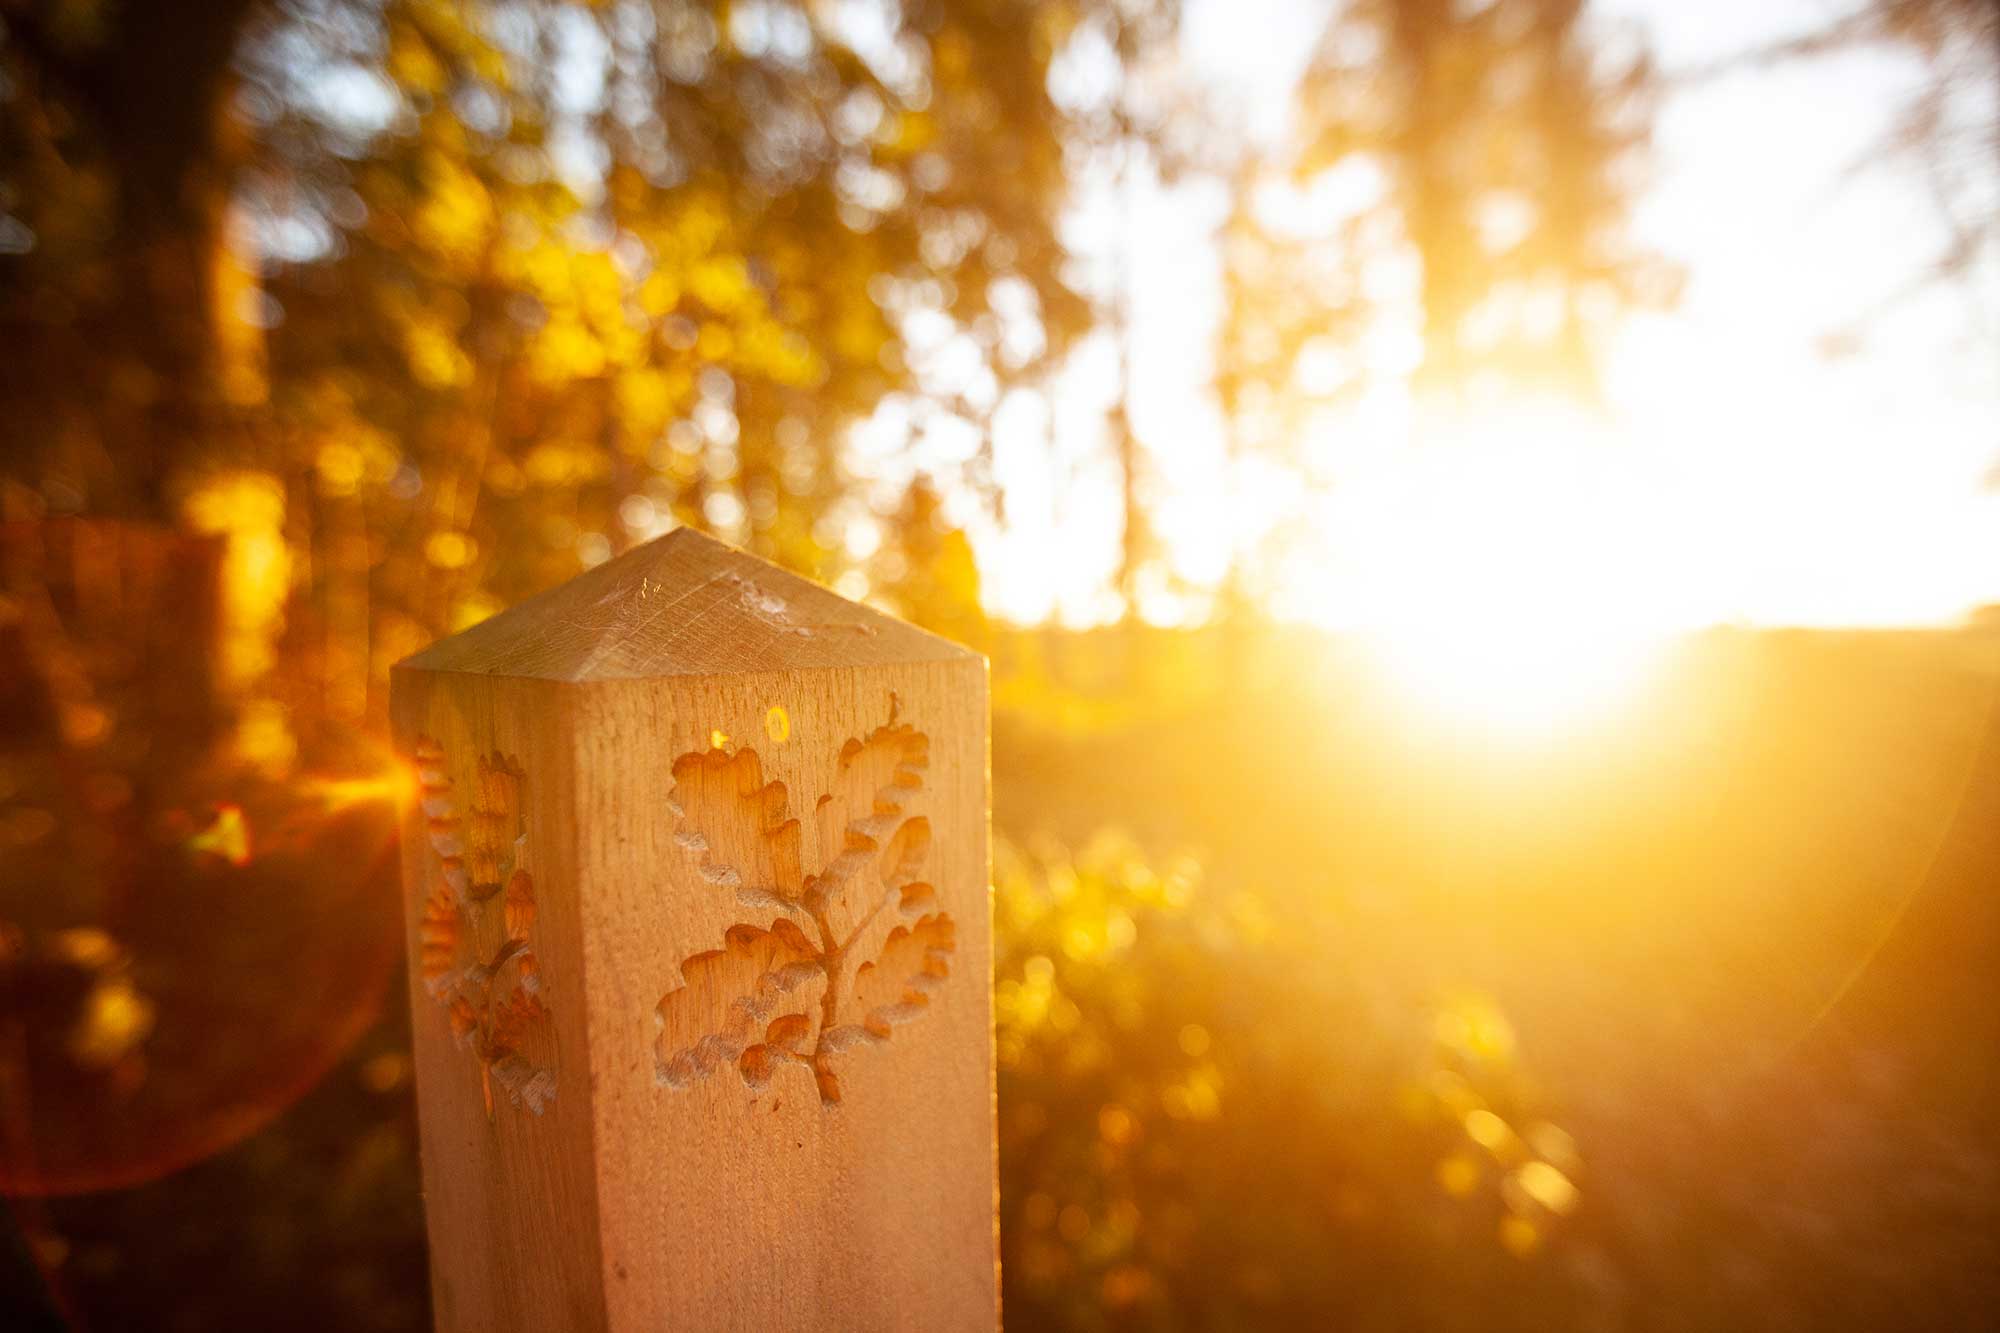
1742	475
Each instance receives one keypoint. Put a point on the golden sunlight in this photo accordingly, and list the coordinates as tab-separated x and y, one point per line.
1502	577
1539	677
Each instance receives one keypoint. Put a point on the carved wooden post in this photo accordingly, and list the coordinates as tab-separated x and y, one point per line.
701	957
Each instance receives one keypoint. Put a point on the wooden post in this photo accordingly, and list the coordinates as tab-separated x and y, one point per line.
701	959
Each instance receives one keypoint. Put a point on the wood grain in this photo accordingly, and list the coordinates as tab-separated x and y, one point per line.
760	936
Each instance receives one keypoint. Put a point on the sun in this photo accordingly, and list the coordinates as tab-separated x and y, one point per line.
1531	672
1510	576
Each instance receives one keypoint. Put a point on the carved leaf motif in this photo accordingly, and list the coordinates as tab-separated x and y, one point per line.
525	1083
897	986
790	994
737	824
438	939
476	956
520	906
750	1003
440	814
875	780
495	827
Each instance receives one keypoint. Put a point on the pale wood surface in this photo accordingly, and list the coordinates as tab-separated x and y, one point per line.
722	1149
684	605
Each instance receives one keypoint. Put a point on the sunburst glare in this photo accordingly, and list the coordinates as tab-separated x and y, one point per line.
1501	572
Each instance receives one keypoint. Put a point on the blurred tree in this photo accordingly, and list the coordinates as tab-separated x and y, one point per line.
1454	196
1118	86
1447	212
115	171
1948	129
933	571
450	298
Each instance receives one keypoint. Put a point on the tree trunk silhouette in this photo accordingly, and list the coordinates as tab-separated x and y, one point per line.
113	376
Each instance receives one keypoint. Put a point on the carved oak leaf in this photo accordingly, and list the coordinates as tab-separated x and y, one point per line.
897	986
438	938
750	1003
476	955
778	995
874	781
737	824
494	838
511	1028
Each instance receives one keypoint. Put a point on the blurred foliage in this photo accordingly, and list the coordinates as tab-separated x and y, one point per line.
176	963
424	306
1204	1126
318	1223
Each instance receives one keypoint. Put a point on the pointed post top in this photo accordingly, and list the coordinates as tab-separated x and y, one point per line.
682	605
